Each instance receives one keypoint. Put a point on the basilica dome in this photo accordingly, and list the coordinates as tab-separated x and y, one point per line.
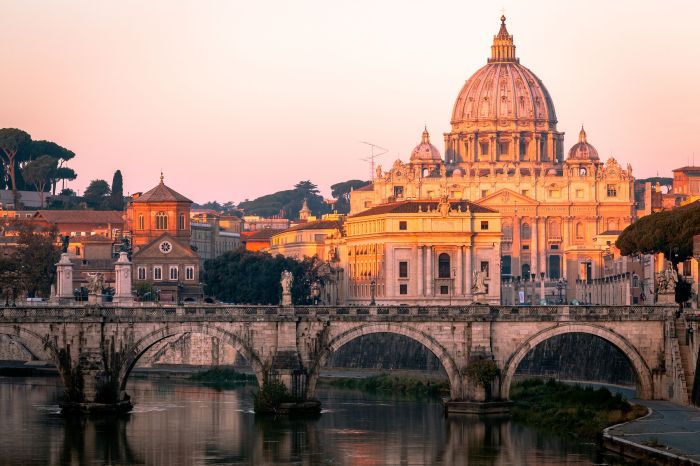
582	150
425	152
503	93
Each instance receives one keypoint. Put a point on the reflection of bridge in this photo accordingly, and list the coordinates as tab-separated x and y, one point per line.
96	347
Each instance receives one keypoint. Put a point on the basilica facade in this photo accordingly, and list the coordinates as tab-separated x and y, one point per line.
556	209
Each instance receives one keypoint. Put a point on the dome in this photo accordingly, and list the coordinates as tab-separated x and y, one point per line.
503	92
582	150
425	152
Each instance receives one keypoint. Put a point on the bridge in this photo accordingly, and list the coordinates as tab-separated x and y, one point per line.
95	347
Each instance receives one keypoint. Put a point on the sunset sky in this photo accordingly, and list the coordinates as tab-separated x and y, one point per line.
235	99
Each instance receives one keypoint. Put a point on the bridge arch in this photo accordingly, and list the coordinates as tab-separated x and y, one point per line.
36	344
133	353
446	360
641	370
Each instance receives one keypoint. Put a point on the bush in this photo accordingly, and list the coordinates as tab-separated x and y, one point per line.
271	396
482	371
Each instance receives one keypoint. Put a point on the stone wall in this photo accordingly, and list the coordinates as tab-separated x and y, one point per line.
12	350
192	350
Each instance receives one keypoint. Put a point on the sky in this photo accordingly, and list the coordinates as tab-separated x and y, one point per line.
235	99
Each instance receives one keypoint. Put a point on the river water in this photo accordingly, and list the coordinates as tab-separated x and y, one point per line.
177	423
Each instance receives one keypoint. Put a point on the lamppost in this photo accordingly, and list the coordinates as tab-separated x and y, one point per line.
452	287
542	298
532	287
372	292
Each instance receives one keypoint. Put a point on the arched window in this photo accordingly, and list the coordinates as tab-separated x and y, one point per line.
525	231
579	231
444	265
582	171
507	230
161	221
141	222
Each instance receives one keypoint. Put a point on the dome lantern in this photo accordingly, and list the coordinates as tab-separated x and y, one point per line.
503	49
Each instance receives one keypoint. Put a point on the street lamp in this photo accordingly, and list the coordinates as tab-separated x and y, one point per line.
560	287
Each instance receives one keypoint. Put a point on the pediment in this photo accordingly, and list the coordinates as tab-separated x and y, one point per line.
505	196
153	250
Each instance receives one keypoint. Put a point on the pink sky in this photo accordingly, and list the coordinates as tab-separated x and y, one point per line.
234	99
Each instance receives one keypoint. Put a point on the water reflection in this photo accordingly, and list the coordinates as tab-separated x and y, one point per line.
178	423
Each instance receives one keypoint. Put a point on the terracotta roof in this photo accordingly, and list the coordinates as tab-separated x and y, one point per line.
162	193
411	207
315	225
611	232
259	235
80	216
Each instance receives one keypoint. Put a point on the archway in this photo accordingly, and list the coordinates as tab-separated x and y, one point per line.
639	366
138	349
39	347
448	364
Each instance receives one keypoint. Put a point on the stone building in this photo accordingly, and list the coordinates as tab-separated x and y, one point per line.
158	223
213	234
504	152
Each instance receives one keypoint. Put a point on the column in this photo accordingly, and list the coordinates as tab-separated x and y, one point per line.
64	278
534	243
542	247
122	271
429	271
468	267
389	272
458	271
420	272
516	248
537	147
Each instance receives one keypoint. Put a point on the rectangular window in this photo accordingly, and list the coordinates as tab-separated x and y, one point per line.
77	250
189	273
526	247
319	238
484	148
403	225
503	148
579	194
398	191
157	272
525	192
141	273
484	225
182	221
368	204
554	193
403	269
444	289
173	272
485	267
484	192
403	288
612	190
141	222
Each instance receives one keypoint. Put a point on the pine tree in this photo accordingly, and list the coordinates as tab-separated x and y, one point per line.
116	200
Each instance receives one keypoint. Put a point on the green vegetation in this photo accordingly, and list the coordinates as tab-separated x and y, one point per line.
661	231
570	410
394	384
222	376
254	277
482	372
341	192
271	396
30	268
287	203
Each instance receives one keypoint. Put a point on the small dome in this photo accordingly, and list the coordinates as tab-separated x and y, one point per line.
582	150
425	152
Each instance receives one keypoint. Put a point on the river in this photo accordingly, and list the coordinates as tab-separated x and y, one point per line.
177	423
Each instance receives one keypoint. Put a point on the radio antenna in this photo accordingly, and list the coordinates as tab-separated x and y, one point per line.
373	155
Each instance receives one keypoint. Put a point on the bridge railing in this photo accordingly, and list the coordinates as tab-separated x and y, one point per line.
254	312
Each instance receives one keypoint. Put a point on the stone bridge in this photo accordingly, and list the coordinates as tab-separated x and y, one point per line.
96	347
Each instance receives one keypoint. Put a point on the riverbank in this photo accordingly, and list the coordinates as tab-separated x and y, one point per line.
570	410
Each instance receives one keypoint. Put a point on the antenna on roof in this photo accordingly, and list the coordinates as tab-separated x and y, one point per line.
373	156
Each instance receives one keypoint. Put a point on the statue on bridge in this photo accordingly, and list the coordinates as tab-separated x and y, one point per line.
666	282
286	282
96	282
478	286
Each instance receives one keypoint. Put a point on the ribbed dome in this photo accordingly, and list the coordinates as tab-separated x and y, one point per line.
425	152
582	150
503	92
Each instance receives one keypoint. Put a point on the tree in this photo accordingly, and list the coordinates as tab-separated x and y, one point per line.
254	277
40	172
13	148
31	267
666	231
61	154
341	191
116	200
97	193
